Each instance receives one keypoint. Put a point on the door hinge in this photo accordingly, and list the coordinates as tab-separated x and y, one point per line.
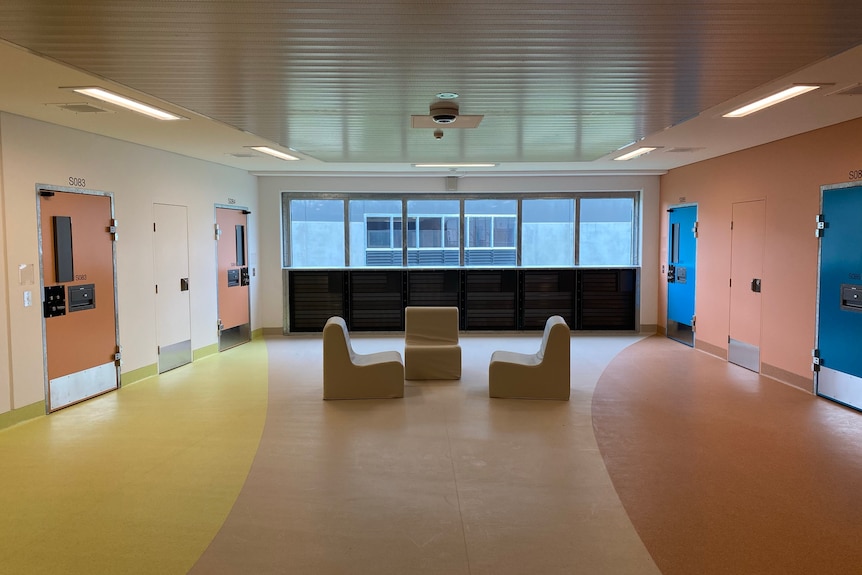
694	323
118	357
816	362
217	232
694	230
731	224
157	288
112	229
821	225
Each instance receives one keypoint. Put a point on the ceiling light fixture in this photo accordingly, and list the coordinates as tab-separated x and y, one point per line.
127	103
636	153
454	165
776	98
273	152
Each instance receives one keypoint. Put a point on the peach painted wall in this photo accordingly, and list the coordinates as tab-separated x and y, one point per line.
788	175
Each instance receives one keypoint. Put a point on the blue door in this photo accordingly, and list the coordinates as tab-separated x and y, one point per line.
681	273
839	305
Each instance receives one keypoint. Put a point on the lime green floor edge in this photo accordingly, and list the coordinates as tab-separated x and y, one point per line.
135	481
22	414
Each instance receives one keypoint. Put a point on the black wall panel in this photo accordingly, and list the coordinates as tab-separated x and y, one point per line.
545	293
315	296
490	299
504	299
376	300
607	299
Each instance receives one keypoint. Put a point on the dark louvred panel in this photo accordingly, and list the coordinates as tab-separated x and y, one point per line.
545	293
377	300
508	299
434	287
491	299
315	296
607	299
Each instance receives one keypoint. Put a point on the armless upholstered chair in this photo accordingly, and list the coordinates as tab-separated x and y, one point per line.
431	349
542	375
350	375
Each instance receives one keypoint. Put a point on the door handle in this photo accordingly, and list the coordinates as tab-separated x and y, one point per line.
755	285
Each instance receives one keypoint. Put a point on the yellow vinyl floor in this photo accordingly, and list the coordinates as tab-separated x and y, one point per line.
134	481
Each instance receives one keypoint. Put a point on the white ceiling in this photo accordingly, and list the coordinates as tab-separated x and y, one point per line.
562	85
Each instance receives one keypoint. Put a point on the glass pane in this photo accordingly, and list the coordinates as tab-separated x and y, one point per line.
606	231
430	232
548	232
379	232
317	233
373	226
434	222
491	227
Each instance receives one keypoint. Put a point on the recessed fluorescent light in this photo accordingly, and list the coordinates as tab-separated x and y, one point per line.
274	152
776	98
128	103
454	165
635	153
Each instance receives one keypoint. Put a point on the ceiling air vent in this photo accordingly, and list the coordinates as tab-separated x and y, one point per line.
855	90
683	150
80	108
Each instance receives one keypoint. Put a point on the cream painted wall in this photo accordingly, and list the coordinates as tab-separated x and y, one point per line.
788	175
270	221
37	153
5	359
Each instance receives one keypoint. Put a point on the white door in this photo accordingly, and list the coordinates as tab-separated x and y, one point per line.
171	257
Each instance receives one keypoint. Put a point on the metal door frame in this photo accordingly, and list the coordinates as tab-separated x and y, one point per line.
816	367
664	277
86	192
216	233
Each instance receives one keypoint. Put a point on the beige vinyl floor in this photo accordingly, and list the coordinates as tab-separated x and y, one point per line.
665	460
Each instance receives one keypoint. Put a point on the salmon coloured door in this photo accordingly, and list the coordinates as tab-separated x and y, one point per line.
747	237
76	237
234	322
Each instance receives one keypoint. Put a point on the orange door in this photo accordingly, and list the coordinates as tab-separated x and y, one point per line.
233	277
78	295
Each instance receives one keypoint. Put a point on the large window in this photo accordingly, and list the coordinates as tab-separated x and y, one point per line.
491	232
606	232
433	233
548	232
316	236
375	233
498	231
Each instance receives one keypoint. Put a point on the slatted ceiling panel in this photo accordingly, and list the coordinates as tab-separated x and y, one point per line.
434	287
546	293
314	297
607	299
557	81
377	300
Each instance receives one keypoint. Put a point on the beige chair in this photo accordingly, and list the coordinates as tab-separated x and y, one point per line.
542	375
350	375
431	349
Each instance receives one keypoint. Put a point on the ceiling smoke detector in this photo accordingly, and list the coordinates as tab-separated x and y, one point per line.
443	112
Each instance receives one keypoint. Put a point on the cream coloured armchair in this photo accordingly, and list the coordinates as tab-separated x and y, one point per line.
542	375
350	375
431	349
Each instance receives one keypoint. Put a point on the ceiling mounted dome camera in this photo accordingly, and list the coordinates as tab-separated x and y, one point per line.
444	112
